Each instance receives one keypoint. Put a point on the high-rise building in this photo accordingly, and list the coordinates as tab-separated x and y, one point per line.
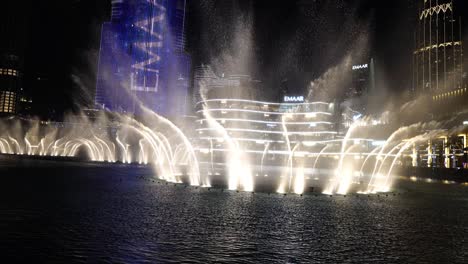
142	58
13	27
362	79
10	84
438	54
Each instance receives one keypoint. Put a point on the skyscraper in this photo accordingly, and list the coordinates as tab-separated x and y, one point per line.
13	25
10	81
142	59
363	79
438	54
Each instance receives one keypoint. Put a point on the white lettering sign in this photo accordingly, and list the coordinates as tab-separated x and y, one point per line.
294	98
362	66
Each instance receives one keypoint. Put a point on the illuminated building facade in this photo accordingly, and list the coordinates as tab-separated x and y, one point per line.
14	23
10	84
438	54
142	58
256	123
265	132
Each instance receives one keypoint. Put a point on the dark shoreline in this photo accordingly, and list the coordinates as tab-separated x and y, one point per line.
10	160
438	174
23	165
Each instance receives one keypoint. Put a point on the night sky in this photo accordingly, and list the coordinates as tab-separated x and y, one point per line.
274	41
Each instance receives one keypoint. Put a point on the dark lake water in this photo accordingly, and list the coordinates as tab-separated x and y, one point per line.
89	214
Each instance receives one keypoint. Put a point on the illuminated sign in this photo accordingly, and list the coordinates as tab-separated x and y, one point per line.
295	99
359	67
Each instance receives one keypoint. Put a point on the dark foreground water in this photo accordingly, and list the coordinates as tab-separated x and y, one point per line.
88	214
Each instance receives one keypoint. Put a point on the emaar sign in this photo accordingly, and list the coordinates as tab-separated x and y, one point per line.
359	67
294	99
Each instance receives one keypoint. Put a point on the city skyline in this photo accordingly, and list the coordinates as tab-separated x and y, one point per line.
244	131
64	79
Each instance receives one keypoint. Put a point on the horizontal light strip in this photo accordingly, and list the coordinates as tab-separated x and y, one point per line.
260	112
271	132
260	102
441	45
305	143
220	139
267	122
280	152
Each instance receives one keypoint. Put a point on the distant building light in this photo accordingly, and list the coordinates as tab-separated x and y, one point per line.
376	122
378	143
309	143
205	151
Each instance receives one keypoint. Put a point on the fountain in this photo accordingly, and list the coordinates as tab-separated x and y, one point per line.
290	145
243	141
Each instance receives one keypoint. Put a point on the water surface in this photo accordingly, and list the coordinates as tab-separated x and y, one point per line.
87	213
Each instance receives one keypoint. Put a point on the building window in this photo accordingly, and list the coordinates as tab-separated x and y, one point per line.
7	102
10	72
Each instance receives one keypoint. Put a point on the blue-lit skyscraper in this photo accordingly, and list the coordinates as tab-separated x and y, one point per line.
142	58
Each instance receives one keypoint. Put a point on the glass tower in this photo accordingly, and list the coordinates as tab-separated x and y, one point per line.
142	58
437	58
